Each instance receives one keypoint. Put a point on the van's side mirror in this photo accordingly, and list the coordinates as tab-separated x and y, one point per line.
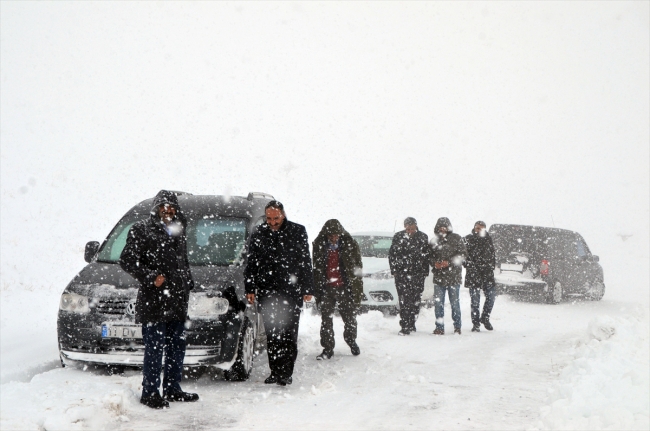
92	247
595	258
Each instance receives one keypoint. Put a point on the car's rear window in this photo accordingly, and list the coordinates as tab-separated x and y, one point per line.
374	246
211	239
541	243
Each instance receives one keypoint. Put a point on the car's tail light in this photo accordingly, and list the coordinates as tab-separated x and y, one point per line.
543	268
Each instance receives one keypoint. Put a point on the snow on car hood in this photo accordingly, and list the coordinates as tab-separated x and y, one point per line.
374	264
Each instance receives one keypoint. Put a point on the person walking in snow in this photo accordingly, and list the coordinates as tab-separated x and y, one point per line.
279	276
408	258
338	279
447	255
156	255
480	265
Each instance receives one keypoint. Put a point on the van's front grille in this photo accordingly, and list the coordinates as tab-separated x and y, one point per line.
112	306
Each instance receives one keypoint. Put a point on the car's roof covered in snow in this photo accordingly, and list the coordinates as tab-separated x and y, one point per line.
519	228
229	206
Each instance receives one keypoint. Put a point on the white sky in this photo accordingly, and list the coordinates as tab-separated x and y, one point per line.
521	112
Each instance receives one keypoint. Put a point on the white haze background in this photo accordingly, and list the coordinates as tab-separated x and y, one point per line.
530	112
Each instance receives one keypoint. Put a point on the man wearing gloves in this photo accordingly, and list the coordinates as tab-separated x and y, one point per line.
480	274
338	279
156	255
279	276
409	263
447	256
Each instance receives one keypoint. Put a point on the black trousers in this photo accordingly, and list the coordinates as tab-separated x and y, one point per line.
348	309
170	338
281	315
409	291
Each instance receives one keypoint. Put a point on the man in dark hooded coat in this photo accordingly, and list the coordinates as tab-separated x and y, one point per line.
156	255
480	265
409	263
338	279
279	276
447	256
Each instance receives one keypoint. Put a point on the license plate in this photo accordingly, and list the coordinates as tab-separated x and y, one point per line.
511	267
121	331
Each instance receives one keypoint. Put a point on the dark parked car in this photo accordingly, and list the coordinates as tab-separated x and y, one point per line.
551	262
96	313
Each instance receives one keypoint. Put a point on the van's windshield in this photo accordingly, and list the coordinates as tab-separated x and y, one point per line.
211	239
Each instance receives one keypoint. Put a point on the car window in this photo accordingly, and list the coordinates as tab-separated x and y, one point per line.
374	246
215	241
581	248
112	248
531	241
211	240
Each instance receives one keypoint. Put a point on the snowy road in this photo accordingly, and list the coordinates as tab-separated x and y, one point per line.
486	380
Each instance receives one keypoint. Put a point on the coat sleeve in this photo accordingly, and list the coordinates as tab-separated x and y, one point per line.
251	273
393	256
132	259
460	252
425	255
492	257
306	273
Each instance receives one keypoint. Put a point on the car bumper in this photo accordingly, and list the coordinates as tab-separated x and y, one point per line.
523	285
194	356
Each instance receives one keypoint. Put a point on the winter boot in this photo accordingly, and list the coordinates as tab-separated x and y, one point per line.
284	381
439	331
271	379
403	332
487	324
327	354
354	348
476	328
155	401
457	331
181	396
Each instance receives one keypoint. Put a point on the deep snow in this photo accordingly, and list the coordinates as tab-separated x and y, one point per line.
539	369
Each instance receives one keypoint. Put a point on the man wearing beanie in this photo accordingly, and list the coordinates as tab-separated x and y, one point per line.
409	263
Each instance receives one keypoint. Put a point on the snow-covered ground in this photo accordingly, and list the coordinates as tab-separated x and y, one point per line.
578	365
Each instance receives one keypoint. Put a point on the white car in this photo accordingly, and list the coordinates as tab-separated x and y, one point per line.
379	292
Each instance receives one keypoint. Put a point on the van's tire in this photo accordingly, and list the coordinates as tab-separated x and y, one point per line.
241	369
597	290
555	293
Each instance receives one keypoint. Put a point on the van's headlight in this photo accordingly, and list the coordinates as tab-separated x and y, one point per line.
74	303
202	307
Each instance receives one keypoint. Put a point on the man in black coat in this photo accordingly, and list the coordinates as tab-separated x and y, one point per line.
480	264
408	258
447	256
279	275
156	255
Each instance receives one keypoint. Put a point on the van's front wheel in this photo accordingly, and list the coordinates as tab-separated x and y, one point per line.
241	369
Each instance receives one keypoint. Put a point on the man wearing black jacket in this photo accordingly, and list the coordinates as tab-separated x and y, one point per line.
156	255
447	256
279	275
480	274
408	258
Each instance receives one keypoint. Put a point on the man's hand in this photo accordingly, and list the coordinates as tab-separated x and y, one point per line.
307	298
251	298
440	265
159	281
